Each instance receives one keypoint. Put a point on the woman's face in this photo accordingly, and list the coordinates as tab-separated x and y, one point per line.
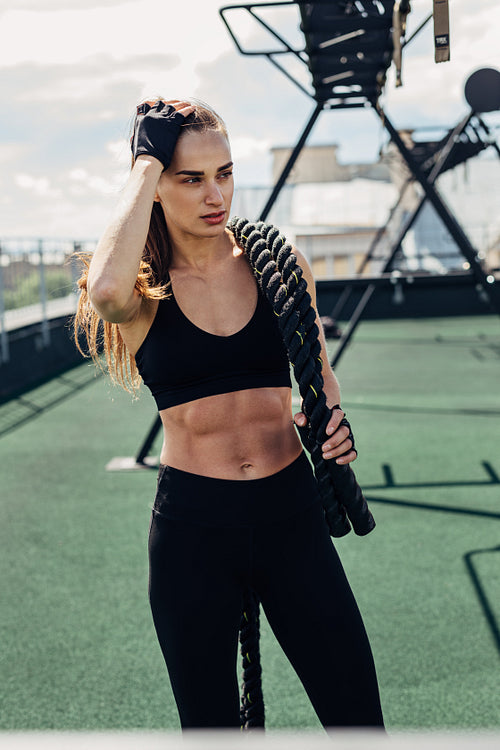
196	190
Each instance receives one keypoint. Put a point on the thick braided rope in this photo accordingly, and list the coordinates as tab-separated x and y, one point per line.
280	278
252	713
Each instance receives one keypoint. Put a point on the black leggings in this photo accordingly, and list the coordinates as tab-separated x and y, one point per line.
210	539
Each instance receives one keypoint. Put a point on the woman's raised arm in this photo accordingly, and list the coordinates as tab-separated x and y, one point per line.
115	265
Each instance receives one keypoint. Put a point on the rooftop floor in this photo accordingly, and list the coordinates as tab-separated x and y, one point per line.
78	646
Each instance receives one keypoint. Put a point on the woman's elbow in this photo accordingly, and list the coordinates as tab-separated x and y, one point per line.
109	300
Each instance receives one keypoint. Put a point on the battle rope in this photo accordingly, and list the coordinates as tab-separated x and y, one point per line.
280	279
252	700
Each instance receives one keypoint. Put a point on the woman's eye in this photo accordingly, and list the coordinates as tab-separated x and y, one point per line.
226	174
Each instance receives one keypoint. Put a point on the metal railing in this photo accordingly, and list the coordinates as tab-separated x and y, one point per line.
37	283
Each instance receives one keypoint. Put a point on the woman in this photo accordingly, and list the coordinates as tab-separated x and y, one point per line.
237	505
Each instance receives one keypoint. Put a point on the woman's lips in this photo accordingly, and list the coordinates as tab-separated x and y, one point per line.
215	218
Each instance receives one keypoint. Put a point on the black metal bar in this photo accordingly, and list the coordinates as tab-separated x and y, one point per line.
488	133
365	299
382	230
353	323
341	302
439	165
297	53
148	442
288	75
246	6
417	31
249	8
291	161
344	297
488	283
437	169
434	174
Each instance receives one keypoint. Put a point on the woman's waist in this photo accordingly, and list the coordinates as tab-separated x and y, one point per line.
250	452
247	434
189	497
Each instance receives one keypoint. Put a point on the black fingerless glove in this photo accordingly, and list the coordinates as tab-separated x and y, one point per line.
156	130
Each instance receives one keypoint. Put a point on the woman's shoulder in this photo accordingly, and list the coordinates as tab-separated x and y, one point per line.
305	265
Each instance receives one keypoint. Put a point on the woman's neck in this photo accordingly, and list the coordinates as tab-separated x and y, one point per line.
198	253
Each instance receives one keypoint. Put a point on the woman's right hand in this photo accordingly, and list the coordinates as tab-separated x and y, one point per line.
156	128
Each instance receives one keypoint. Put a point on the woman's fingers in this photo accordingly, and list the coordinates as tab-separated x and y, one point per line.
185	110
300	419
337	444
335	420
347	459
177	104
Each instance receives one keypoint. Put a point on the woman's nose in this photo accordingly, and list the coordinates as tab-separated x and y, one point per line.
214	194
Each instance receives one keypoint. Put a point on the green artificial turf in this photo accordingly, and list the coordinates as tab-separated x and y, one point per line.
78	649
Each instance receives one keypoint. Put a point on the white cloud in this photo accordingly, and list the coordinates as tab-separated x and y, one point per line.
120	150
39	186
247	147
94	183
96	79
142	44
6	5
124	29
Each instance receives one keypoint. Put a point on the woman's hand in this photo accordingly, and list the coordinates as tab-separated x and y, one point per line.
340	443
156	129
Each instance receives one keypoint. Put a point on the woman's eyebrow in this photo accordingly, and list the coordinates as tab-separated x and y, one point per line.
194	173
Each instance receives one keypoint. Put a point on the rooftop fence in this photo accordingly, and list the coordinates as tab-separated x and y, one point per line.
37	283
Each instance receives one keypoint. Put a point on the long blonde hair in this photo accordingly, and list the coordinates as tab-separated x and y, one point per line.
93	335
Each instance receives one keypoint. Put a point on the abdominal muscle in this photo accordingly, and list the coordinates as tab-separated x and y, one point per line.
243	435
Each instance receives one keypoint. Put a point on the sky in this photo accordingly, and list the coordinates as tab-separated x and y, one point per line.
72	72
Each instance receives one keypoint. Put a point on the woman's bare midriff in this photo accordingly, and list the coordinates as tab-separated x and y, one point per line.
243	435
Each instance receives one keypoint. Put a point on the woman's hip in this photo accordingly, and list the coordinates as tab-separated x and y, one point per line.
208	501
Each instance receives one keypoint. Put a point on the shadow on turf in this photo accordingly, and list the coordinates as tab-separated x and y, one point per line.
469	561
390	482
482	339
23	408
481	590
433	410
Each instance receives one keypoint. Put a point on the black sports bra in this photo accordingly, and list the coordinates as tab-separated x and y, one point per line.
180	362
